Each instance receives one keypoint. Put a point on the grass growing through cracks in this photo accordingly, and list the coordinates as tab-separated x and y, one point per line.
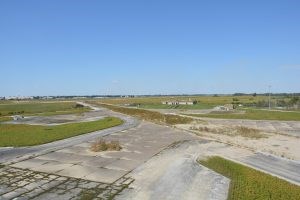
27	135
101	145
247	183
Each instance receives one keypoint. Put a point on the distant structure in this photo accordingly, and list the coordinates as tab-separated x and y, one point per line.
189	102
226	107
17	117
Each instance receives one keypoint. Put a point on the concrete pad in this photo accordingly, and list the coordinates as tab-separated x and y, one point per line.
137	156
175	174
77	171
29	164
125	165
98	162
74	150
105	175
66	157
51	167
116	154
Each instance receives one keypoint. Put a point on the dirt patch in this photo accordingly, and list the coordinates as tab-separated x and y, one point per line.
286	146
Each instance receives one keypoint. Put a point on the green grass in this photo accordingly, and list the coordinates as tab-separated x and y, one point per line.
148	115
38	108
248	184
27	135
183	107
205	100
5	119
256	115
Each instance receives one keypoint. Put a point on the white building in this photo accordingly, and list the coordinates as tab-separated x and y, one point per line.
178	102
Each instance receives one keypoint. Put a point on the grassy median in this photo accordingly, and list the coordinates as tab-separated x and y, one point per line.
248	183
148	115
28	135
41	108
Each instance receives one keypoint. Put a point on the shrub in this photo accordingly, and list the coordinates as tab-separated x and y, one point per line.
79	105
102	145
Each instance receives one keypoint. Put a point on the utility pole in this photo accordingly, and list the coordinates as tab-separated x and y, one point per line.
269	97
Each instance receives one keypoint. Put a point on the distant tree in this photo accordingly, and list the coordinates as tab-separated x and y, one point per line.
195	102
254	94
239	94
262	103
281	103
79	105
293	100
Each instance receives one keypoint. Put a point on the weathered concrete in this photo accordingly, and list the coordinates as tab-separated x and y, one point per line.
139	145
25	184
175	174
11	155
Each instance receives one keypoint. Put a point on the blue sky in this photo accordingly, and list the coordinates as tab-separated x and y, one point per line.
66	47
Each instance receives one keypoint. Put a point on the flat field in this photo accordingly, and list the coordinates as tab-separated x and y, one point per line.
248	183
255	114
204	102
27	135
40	108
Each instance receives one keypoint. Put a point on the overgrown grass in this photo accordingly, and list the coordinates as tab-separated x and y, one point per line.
231	131
102	145
248	184
28	135
256	115
35	108
155	117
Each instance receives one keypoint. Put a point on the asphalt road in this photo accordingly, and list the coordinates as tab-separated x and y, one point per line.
283	168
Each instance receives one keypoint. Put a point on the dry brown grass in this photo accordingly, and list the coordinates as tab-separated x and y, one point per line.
231	131
102	145
248	132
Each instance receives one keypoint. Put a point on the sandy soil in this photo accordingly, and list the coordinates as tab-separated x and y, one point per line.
276	144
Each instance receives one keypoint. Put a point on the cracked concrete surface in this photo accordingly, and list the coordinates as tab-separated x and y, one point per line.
175	174
139	145
156	162
26	184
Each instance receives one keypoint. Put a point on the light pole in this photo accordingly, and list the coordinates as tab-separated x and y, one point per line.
270	97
